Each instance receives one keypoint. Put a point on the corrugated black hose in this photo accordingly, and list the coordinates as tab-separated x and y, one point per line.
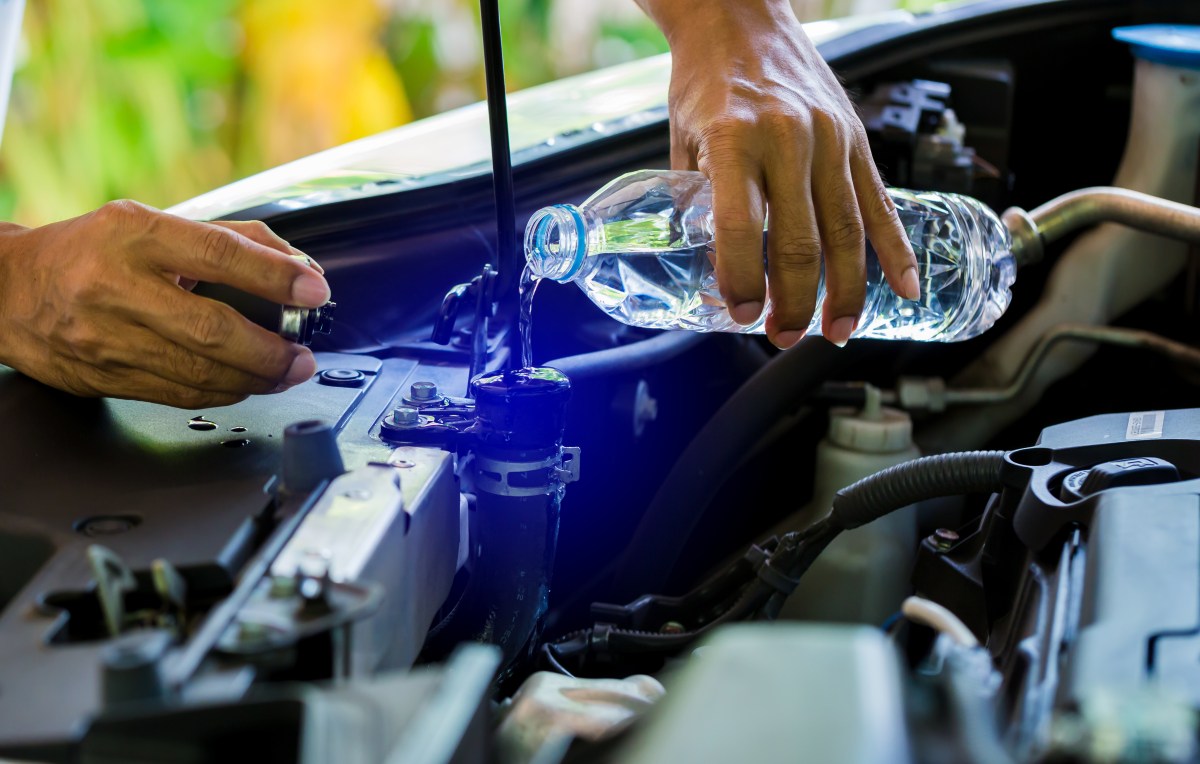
871	498
929	477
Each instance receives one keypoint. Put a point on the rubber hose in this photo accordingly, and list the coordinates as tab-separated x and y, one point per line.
929	477
776	390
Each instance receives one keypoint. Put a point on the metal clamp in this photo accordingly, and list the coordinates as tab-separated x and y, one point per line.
493	475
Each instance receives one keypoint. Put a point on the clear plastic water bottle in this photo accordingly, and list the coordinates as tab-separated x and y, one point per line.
642	249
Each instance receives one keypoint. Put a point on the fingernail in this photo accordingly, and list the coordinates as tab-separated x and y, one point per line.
302	368
746	312
307	260
310	290
785	340
840	330
909	286
280	389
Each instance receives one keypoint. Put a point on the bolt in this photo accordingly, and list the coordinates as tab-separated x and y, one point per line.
406	416
944	538
672	627
423	391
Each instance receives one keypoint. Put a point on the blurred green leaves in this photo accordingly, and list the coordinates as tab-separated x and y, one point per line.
160	100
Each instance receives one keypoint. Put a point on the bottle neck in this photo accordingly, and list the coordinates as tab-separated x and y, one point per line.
556	242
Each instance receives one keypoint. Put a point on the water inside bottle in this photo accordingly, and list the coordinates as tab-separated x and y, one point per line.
652	271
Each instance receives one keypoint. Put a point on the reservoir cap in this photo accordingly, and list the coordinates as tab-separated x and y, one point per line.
1170	44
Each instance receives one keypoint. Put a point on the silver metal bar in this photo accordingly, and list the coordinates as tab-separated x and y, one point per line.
1100	204
1106	335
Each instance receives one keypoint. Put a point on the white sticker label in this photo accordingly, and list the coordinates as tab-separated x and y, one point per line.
1144	425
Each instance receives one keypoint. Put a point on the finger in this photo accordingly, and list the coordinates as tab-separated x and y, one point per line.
843	242
217	332
139	384
207	252
738	211
258	231
883	226
145	350
177	364
793	244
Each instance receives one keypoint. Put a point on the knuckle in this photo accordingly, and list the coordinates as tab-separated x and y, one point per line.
725	142
829	125
846	234
219	248
796	254
203	371
880	205
85	345
209	328
121	210
259	229
782	125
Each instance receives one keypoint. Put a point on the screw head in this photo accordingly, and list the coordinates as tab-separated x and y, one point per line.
406	416
672	627
423	391
944	538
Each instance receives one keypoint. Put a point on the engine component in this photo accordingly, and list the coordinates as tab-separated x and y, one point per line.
381	522
430	715
310	455
713	710
518	471
550	710
863	575
930	393
1054	578
1102	275
1089	206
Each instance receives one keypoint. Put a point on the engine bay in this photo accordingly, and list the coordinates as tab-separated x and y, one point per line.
657	546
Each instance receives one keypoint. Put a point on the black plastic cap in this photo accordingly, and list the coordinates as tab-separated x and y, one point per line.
522	408
310	455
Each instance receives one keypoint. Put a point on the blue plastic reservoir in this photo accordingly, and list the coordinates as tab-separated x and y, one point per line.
1171	44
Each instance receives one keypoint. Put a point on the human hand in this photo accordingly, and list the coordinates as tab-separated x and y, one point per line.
756	109
98	305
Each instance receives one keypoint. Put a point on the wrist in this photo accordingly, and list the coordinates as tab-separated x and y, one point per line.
680	20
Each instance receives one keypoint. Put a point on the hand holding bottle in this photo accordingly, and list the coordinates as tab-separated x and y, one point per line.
755	108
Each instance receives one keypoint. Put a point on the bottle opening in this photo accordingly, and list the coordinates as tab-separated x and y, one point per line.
555	242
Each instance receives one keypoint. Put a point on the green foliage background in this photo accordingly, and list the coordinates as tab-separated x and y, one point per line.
160	100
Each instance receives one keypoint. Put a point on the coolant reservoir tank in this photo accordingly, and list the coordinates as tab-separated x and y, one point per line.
864	574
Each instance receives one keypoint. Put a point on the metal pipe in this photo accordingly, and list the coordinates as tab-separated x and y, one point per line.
1032	231
1107	335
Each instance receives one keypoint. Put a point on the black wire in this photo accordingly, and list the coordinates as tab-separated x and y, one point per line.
551	656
